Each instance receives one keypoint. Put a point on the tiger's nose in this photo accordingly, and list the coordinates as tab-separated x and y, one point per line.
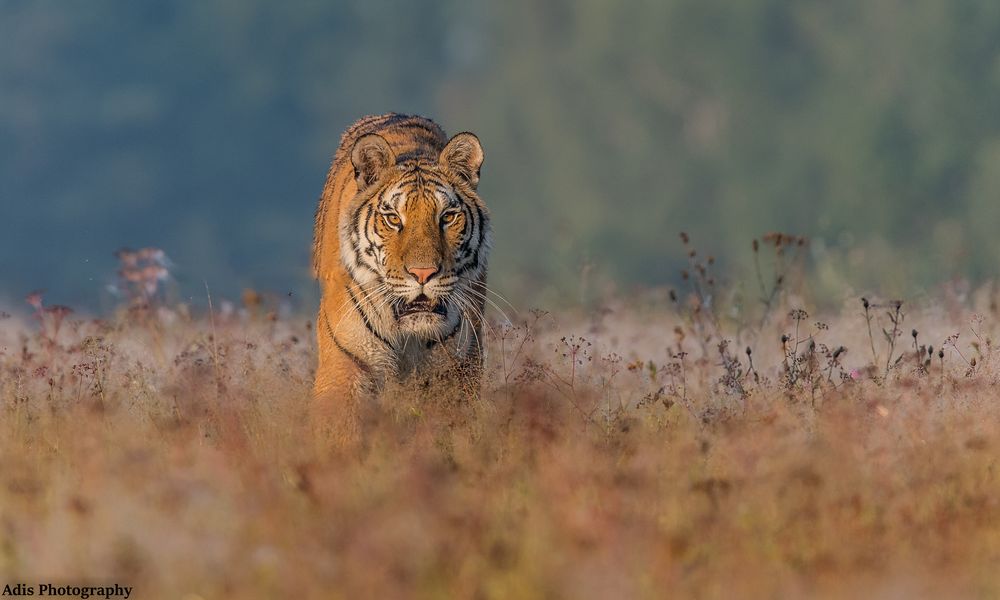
423	274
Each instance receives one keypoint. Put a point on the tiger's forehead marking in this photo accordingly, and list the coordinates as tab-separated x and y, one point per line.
418	185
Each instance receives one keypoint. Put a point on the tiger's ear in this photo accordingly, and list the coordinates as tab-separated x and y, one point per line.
463	156
371	155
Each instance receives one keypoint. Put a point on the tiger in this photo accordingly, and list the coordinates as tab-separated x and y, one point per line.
400	250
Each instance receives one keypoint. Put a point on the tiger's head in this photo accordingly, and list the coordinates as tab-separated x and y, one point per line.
416	236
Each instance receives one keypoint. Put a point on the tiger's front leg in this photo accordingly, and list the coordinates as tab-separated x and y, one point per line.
343	394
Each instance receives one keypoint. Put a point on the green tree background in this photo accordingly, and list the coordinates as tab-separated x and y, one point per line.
206	128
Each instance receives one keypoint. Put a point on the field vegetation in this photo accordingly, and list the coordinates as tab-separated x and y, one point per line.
674	443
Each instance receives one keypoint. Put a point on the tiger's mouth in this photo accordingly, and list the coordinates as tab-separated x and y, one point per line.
420	305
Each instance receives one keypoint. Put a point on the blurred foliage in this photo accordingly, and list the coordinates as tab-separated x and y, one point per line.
205	128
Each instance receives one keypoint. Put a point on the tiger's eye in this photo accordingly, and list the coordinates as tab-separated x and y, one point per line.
393	220
449	218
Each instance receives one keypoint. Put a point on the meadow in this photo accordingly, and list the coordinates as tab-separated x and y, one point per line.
666	443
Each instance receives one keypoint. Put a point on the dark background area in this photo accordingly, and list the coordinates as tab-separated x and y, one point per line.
206	128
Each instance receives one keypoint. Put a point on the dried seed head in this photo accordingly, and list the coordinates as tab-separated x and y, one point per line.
35	299
59	311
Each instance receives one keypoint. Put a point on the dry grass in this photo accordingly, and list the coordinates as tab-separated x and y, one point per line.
631	458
